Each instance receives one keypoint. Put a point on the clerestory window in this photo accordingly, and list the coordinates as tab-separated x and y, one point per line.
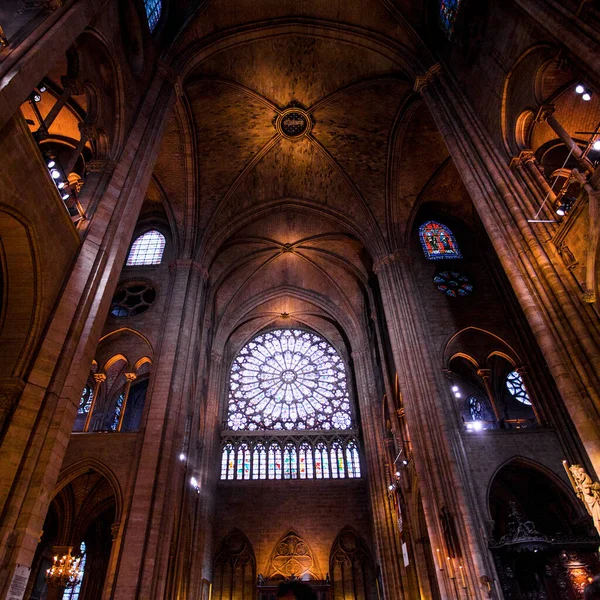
289	413
153	12
147	249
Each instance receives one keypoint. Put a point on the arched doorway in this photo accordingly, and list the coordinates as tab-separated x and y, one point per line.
544	544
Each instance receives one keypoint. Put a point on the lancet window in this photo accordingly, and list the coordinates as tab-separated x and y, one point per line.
448	14
516	388
147	249
438	241
153	12
289	414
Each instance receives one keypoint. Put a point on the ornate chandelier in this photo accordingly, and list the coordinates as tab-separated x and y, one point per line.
65	572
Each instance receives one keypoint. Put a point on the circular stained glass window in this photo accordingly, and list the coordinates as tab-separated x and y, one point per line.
516	388
288	379
132	300
453	283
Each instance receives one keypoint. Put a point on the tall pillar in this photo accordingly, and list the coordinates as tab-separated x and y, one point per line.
566	329
156	497
99	378
486	375
27	63
579	38
379	477
435	436
130	377
35	441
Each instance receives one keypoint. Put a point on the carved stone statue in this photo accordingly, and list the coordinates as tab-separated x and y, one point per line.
588	492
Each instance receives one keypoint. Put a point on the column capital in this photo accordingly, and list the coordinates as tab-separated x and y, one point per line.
399	256
422	81
545	111
114	530
131	376
172	76
589	297
100	377
88	130
524	157
484	373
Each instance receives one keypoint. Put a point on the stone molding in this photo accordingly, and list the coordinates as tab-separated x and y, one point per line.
397	256
422	81
189	264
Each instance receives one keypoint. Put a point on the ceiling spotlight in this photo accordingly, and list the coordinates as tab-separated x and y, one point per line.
455	388
457	394
404	462
560	211
51	163
65	196
42	88
478	426
61	185
580	89
391	487
36	97
596	145
54	174
182	457
397	473
194	482
587	96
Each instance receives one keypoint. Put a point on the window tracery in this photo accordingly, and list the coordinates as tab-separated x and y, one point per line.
147	249
289	414
448	14
516	388
438	241
475	408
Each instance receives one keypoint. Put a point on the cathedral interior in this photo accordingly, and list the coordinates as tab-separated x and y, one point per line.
299	289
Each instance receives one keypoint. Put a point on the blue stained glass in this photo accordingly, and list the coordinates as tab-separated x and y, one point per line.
115	422
85	401
448	14
153	12
438	241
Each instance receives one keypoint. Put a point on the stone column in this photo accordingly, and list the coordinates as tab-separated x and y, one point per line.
486	375
100	378
156	496
27	63
579	38
88	132
37	435
379	477
546	113
130	377
567	330
434	430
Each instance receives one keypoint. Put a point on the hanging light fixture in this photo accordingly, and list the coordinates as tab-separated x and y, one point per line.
65	572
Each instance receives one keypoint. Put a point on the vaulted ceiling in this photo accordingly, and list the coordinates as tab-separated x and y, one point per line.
288	224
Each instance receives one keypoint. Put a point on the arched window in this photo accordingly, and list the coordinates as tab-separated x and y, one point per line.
448	14
116	417
475	408
85	403
147	249
73	593
153	12
516	388
292	385
438	241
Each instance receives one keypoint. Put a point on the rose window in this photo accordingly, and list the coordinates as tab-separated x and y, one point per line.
288	379
453	283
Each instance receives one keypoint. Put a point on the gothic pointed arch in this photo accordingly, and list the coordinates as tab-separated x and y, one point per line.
351	567
234	568
292	556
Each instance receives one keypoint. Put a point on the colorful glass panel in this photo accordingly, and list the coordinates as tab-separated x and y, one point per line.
85	400
438	241
448	14
453	284
516	388
475	408
288	379
352	460
147	249
153	12
117	414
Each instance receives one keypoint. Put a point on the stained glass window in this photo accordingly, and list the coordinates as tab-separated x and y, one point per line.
153	12
85	401
117	414
290	462
453	284
288	379
475	408
73	593
448	14
516	388
243	462
259	466
147	249
438	241
352	459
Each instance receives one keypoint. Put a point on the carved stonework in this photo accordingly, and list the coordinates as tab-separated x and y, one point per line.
46	6
422	81
589	297
567	256
292	557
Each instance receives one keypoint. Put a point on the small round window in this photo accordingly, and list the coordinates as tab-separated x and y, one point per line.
131	300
